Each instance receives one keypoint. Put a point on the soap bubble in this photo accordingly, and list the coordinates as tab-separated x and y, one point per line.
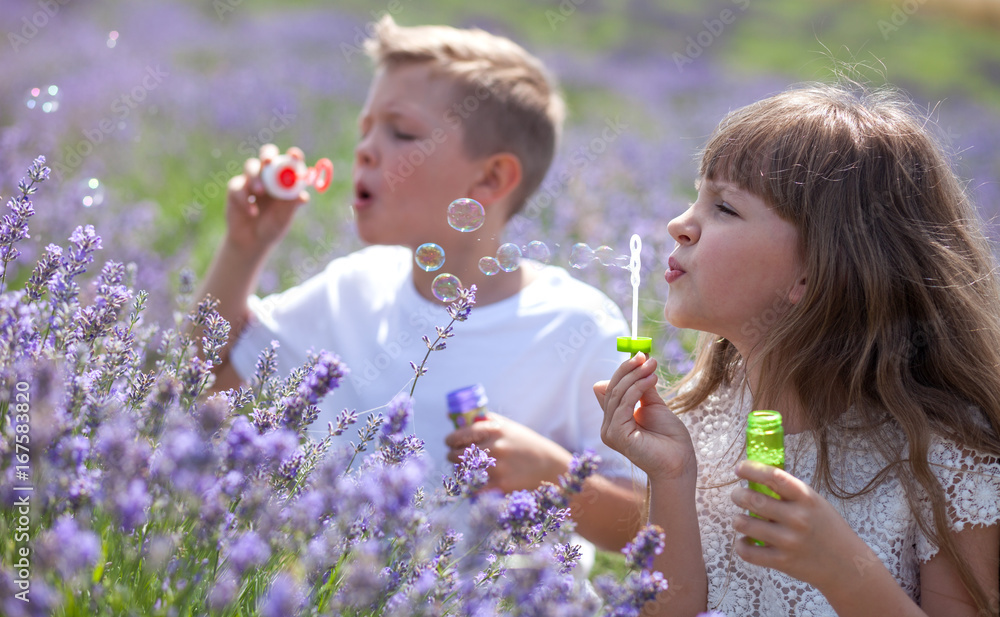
91	192
581	255
445	287
509	257
538	251
466	214
429	257
606	255
489	266
45	99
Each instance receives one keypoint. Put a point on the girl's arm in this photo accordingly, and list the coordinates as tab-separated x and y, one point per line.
638	424
941	589
805	537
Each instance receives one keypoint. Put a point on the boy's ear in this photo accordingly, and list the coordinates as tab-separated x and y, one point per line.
499	175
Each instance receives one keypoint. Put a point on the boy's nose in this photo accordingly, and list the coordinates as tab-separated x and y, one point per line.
364	153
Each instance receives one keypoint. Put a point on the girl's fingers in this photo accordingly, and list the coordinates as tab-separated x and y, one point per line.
778	480
760	504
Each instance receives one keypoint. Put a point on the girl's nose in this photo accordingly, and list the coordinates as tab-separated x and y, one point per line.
684	228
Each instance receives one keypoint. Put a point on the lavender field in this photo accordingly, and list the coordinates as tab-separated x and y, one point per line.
144	110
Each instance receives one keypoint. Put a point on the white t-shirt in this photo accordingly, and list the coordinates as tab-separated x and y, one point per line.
881	517
537	353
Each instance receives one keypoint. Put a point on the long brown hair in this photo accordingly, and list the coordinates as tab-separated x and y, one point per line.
901	316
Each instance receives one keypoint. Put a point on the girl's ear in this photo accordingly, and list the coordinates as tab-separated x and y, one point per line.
499	175
797	291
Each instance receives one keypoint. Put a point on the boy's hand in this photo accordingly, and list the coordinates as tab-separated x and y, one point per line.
256	221
524	459
649	435
804	536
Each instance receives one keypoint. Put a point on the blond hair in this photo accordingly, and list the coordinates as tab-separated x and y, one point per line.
509	98
901	317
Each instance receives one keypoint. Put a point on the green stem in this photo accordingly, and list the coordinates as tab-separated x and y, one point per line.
430	348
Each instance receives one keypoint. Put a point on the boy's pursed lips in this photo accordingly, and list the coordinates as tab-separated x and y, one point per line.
362	195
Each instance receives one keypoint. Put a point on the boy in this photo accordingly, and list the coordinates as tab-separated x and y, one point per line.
450	114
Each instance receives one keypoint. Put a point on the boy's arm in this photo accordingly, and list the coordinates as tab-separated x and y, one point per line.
255	223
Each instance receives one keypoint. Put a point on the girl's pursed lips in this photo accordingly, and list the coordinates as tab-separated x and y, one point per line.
674	270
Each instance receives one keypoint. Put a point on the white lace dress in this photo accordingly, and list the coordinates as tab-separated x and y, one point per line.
881	517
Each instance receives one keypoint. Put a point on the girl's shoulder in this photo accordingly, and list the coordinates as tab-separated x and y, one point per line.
971	483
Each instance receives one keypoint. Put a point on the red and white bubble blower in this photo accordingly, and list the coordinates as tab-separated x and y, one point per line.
286	176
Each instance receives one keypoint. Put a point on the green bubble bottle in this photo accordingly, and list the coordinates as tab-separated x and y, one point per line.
765	444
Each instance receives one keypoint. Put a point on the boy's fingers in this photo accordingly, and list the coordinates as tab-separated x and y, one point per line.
296	153
268	152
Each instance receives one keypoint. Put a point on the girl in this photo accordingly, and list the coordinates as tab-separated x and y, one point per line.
832	264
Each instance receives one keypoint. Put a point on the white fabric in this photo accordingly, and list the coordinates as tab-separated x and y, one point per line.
537	353
881	517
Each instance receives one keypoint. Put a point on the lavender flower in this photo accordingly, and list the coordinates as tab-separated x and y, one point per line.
67	548
521	511
400	411
247	551
325	375
132	504
470	472
648	543
43	272
14	226
284	598
344	419
95	321
581	467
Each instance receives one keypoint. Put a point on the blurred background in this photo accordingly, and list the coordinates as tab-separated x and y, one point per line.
144	110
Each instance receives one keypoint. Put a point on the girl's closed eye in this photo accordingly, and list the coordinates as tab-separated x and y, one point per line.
402	135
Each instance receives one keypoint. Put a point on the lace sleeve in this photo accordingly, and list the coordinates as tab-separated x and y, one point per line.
971	485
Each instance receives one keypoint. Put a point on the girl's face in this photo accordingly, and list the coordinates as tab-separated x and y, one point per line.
736	267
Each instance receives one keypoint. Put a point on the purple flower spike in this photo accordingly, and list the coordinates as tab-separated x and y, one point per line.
247	551
325	375
284	598
648	543
399	414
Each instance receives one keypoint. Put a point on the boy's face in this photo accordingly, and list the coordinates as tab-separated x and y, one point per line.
409	163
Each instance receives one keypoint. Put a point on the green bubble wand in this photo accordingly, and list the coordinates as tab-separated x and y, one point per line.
634	344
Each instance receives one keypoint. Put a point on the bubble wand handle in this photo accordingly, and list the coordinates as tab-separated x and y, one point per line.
634	344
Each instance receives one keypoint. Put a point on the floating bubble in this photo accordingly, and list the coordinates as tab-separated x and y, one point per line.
489	266
606	255
509	257
538	251
112	39
445	287
466	214
91	192
429	257
45	99
581	255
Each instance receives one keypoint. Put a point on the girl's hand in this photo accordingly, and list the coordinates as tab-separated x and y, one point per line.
650	435
256	221
804	536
